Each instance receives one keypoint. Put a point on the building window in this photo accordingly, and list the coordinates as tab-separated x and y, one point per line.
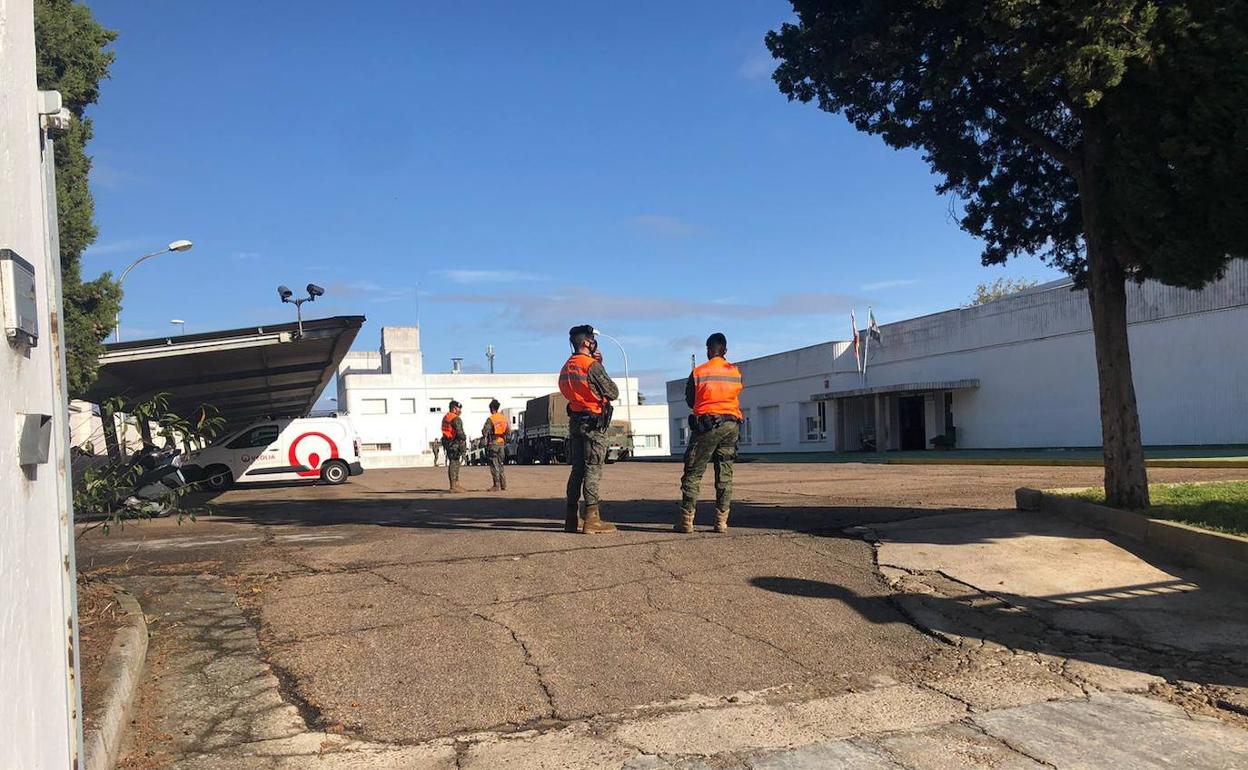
407	406
747	427
385	447
814	421
256	437
372	406
769	425
435	410
681	430
647	442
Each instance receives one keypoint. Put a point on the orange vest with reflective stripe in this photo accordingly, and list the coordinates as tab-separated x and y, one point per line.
448	426
500	427
574	385
717	388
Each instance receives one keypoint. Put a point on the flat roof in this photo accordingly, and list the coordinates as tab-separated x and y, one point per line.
906	387
256	371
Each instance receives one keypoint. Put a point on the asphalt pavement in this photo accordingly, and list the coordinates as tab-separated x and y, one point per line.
386	613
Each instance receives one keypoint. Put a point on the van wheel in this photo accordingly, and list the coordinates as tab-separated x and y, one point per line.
218	478
334	472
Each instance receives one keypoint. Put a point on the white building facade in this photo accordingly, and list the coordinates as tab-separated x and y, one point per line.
1016	373
397	407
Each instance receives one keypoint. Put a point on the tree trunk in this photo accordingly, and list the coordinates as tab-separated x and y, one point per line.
1126	481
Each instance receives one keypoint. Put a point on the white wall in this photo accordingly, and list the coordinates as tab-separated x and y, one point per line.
395	375
1033	355
38	622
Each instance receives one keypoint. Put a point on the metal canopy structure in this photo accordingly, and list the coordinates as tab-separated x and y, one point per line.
902	389
261	371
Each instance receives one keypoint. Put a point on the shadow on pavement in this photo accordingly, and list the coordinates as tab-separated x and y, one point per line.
1115	626
423	509
1028	623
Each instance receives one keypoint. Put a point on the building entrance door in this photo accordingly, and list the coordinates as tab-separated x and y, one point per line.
913	434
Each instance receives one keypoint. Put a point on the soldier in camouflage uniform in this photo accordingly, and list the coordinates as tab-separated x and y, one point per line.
454	443
494	433
713	393
589	390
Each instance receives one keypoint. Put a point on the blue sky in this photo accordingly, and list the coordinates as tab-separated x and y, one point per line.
506	170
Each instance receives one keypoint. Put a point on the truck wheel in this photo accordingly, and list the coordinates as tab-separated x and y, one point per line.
218	478
335	472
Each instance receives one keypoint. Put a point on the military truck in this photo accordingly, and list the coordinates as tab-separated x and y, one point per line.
543	434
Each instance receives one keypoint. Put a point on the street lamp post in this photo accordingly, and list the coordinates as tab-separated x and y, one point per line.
175	246
178	322
628	399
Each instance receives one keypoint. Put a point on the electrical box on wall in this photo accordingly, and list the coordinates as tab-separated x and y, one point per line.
17	282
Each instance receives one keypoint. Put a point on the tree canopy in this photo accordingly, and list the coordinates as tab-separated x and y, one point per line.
1003	96
71	58
991	291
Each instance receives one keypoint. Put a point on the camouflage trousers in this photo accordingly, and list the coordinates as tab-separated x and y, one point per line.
454	451
717	446
496	455
587	451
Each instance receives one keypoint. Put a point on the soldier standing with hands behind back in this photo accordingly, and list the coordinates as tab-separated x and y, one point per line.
713	393
495	433
589	390
454	443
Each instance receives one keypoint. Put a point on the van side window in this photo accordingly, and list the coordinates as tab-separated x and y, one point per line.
262	435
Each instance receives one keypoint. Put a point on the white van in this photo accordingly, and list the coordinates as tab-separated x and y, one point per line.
283	449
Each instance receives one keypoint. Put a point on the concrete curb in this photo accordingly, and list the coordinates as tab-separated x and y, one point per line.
122	669
1057	462
1224	554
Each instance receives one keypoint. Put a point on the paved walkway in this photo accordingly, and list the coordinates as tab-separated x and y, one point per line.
382	625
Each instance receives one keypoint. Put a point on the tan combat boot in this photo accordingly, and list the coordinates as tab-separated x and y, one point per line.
572	519
721	521
494	488
684	524
502	484
457	488
593	521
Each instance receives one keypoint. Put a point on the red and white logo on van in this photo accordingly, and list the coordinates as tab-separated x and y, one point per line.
310	450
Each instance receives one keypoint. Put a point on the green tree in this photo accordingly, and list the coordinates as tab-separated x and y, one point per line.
1107	137
998	289
71	58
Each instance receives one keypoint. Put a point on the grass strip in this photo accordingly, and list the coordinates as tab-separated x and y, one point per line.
1221	506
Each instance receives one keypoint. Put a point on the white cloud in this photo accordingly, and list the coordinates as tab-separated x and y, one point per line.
370	291
560	309
893	284
665	225
488	276
111	177
757	66
136	246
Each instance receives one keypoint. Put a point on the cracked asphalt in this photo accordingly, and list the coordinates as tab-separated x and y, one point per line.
394	613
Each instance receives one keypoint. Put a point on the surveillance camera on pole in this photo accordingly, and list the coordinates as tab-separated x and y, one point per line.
284	294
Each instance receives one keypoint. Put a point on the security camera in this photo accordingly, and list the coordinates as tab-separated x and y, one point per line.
315	291
285	293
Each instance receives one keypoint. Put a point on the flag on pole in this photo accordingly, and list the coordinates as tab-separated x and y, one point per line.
873	332
853	324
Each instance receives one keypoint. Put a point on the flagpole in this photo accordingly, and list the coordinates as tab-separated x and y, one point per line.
866	345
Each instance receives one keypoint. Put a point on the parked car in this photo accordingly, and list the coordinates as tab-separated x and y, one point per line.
284	449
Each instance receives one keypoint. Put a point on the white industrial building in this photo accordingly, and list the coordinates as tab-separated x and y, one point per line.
397	407
1019	372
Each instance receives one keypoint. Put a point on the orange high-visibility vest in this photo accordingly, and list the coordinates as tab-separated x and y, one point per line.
574	385
717	388
448	426
500	427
